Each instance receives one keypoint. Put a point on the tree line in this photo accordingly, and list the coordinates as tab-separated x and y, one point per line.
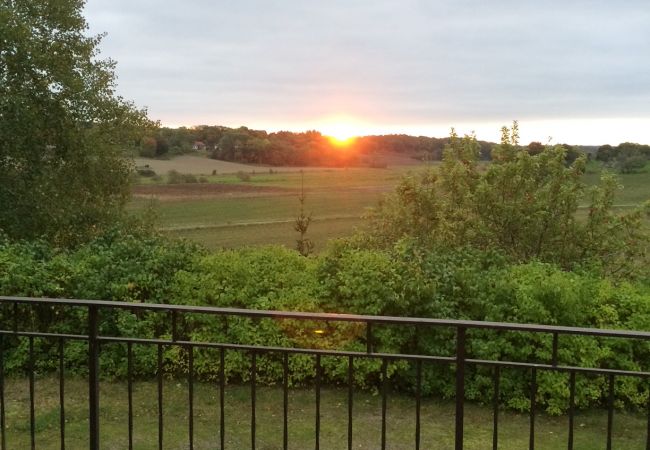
286	148
312	148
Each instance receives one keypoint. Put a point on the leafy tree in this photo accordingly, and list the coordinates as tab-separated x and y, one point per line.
631	163
535	148
632	157
627	157
521	205
63	130
148	147
606	153
230	145
162	146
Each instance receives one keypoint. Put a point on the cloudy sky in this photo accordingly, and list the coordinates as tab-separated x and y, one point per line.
574	71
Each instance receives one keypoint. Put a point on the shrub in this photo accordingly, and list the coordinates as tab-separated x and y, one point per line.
243	176
146	171
175	177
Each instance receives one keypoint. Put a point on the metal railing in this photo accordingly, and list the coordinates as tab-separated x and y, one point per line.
459	360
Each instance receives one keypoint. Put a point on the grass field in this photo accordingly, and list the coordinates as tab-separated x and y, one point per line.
263	209
336	198
437	420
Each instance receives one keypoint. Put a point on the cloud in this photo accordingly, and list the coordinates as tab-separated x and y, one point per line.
407	62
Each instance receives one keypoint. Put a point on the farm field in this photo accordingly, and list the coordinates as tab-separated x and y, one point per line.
198	163
437	419
193	164
226	212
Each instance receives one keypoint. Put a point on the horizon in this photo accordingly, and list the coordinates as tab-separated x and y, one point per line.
550	140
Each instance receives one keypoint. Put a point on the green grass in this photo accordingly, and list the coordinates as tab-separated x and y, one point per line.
313	177
193	213
337	198
636	186
437	420
280	233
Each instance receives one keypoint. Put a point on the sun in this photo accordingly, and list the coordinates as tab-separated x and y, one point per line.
341	141
340	134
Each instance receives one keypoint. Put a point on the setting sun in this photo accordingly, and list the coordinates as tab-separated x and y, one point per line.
341	141
340	133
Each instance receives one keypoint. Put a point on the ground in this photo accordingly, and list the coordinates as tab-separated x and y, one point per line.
437	419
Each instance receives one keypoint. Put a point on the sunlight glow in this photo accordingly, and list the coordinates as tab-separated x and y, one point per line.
341	130
340	141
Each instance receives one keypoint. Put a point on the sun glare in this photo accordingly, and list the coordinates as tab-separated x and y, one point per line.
340	141
340	134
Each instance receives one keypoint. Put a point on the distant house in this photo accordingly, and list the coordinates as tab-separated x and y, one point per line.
198	145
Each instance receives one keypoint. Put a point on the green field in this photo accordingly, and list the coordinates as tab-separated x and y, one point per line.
336	198
437	419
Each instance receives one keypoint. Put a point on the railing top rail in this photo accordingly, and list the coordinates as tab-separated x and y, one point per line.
333	317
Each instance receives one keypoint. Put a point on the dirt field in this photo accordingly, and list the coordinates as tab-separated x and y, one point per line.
193	164
202	165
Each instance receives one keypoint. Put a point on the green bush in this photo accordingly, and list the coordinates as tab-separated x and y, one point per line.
175	177
522	205
403	281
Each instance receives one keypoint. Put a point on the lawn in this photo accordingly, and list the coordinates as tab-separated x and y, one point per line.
437	419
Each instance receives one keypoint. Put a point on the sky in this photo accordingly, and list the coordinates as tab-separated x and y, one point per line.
568	71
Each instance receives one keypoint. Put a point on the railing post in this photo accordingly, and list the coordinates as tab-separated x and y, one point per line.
460	386
93	377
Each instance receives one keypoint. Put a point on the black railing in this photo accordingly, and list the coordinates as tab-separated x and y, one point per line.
459	360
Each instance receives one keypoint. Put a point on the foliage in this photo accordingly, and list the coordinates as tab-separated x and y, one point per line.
523	205
405	280
148	147
175	177
63	129
627	157
311	148
304	245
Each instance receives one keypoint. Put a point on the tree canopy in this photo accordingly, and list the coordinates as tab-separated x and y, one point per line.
63	129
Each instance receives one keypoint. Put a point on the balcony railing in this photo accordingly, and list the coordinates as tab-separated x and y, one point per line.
13	308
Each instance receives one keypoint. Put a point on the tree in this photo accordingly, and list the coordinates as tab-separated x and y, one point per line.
304	245
632	157
606	153
535	148
571	154
148	147
524	206
63	131
162	146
